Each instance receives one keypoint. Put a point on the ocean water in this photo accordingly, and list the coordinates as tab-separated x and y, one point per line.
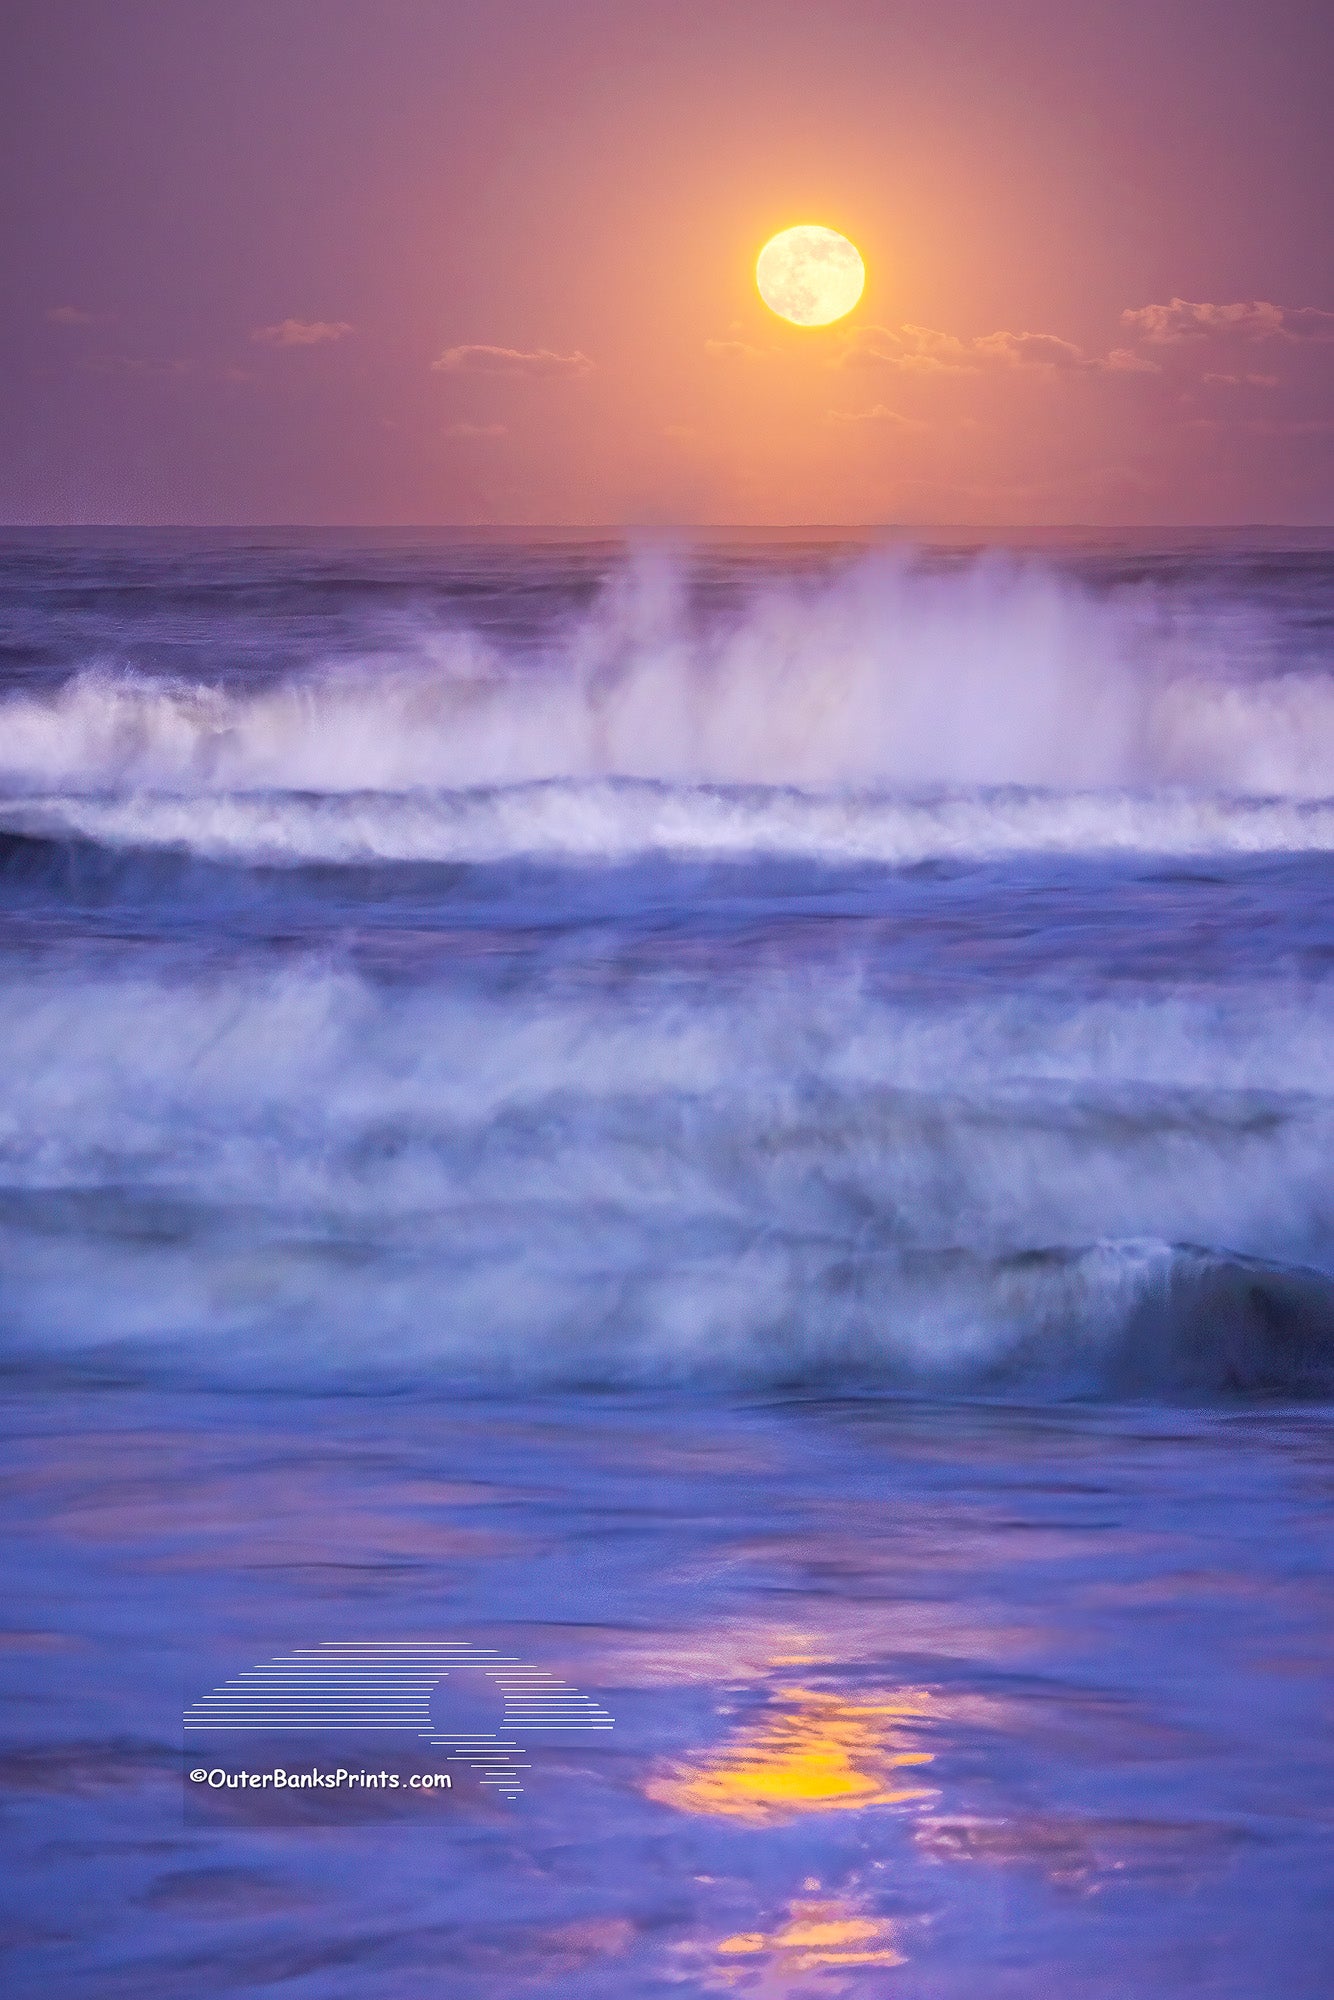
741	1127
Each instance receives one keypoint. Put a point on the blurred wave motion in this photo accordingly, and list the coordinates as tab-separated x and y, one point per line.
756	965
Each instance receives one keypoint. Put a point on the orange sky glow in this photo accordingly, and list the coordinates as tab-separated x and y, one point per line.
423	268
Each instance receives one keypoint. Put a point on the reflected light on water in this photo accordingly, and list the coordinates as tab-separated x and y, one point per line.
808	1751
816	1947
817	1936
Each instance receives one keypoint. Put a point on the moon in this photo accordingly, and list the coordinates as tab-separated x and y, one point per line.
810	275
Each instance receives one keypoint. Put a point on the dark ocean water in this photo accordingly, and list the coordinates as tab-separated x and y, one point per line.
747	1125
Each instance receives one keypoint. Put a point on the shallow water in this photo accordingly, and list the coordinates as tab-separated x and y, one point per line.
907	1698
739	1135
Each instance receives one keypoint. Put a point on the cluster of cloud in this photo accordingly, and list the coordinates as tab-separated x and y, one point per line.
1195	330
1248	320
1190	347
1207	359
535	363
922	350
880	413
302	332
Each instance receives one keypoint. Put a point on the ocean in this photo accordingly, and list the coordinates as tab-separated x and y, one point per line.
735	1128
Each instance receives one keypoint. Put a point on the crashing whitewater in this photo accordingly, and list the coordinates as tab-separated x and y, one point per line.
623	1122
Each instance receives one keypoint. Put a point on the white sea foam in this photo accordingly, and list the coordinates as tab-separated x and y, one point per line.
658	1176
886	678
612	820
297	1171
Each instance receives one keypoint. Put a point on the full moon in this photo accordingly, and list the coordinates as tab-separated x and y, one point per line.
810	275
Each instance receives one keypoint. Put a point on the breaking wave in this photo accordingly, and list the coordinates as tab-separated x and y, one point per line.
613	820
526	1125
774	720
300	1176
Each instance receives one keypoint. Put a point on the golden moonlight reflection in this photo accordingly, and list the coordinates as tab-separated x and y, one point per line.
818	1937
810	275
808	1751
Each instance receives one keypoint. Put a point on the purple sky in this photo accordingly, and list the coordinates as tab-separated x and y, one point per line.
415	261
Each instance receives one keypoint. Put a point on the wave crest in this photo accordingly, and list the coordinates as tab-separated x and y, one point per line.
308	1176
611	820
887	676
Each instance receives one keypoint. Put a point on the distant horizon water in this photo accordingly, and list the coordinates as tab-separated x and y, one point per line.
742	531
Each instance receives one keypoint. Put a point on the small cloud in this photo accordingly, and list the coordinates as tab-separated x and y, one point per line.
1125	361
69	316
1183	319
1270	427
302	332
735	350
1308	323
878	414
1246	320
145	366
925	350
1029	350
1292	427
477	431
483	360
1249	381
165	368
915	348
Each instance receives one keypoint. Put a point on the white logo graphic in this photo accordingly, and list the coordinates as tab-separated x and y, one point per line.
387	1685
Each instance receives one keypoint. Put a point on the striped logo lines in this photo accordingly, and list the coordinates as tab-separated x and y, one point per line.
378	1685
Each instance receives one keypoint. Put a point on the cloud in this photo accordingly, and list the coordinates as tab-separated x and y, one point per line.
1294	427
925	350
877	414
165	368
482	360
302	332
1249	380
477	431
1030	350
1308	323
914	348
69	316
1125	361
1247	320
736	350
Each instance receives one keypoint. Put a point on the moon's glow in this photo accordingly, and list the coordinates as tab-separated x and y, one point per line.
810	275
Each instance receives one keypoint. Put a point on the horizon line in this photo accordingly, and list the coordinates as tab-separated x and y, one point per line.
668	527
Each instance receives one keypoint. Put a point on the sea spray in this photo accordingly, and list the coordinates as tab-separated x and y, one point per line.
907	970
884	676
